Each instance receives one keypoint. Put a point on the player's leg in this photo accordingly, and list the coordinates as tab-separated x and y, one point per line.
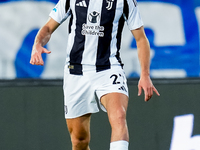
79	129
116	105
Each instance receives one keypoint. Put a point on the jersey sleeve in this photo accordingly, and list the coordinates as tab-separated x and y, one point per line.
132	15
61	11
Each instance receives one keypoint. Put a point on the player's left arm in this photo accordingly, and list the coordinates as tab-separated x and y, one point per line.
143	47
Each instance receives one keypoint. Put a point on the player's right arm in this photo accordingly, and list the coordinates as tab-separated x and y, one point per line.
41	39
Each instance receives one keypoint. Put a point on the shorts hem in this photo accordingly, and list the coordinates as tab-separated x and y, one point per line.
79	115
109	92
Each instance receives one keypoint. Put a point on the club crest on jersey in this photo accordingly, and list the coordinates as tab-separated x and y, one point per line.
110	4
94	17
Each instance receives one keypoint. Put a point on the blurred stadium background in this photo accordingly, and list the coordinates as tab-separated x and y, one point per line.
31	98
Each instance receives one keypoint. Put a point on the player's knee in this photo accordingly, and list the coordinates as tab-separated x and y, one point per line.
80	139
118	118
80	142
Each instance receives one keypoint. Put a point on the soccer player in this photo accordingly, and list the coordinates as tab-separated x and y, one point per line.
93	65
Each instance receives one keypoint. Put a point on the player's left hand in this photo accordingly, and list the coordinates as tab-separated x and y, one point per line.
146	84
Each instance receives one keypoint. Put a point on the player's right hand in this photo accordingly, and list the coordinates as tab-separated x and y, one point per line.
146	84
36	56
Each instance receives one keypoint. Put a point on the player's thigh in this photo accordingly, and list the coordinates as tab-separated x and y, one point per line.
79	128
116	105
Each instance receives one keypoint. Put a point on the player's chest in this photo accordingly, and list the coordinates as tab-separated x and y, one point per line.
96	9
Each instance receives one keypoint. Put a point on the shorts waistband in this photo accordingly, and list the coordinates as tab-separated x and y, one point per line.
78	69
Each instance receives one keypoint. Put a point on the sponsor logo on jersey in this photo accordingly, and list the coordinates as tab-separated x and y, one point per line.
94	17
92	30
110	4
55	9
81	4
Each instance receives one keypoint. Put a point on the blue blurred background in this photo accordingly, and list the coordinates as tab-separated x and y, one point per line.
172	27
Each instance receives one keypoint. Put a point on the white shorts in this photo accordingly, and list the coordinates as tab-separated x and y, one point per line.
80	90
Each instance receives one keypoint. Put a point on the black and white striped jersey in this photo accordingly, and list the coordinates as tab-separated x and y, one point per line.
95	29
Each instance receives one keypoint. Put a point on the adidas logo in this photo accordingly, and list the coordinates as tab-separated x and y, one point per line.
82	4
122	88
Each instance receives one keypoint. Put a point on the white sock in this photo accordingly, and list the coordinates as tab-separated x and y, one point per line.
119	145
